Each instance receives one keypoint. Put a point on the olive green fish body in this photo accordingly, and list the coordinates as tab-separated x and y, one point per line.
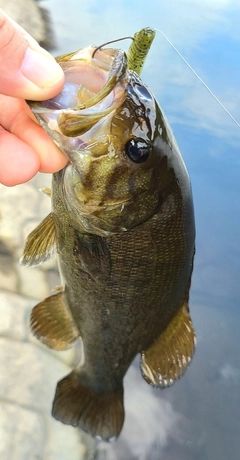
122	224
124	289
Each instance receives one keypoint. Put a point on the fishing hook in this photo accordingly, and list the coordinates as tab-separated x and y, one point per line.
108	43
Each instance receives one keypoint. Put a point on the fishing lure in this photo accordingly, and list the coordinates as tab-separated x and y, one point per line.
137	53
139	49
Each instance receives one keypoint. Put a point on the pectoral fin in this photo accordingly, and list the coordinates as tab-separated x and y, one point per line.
40	244
170	354
51	322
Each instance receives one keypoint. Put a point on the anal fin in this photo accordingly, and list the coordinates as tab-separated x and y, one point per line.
51	322
99	414
40	243
170	354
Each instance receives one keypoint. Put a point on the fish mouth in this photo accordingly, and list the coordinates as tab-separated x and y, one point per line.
95	86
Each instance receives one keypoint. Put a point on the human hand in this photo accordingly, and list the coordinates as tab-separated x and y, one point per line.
27	71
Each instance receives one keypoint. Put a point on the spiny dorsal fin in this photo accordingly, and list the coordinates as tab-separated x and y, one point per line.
169	356
98	414
52	323
40	244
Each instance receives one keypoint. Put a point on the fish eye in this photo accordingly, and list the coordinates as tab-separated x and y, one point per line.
137	150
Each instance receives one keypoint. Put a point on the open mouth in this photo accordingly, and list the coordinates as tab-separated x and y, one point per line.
94	87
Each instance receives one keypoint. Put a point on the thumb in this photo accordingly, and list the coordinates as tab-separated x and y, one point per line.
26	70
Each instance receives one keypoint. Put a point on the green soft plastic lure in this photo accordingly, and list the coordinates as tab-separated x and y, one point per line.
139	49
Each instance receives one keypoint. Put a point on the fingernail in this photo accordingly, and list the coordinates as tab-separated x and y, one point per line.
41	68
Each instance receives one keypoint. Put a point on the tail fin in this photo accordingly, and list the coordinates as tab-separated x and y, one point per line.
96	413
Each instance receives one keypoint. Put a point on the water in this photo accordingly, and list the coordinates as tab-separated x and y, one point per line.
199	417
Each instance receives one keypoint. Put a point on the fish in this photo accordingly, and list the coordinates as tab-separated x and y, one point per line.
122	226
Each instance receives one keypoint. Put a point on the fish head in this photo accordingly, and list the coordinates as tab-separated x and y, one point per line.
110	127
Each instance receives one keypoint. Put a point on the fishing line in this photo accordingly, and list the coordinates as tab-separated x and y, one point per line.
201	81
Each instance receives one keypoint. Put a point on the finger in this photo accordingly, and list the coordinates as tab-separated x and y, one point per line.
16	119
26	70
19	162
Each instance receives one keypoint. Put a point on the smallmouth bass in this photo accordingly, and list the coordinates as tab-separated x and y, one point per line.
122	225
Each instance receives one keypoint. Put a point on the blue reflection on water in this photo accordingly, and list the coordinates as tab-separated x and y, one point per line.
199	417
